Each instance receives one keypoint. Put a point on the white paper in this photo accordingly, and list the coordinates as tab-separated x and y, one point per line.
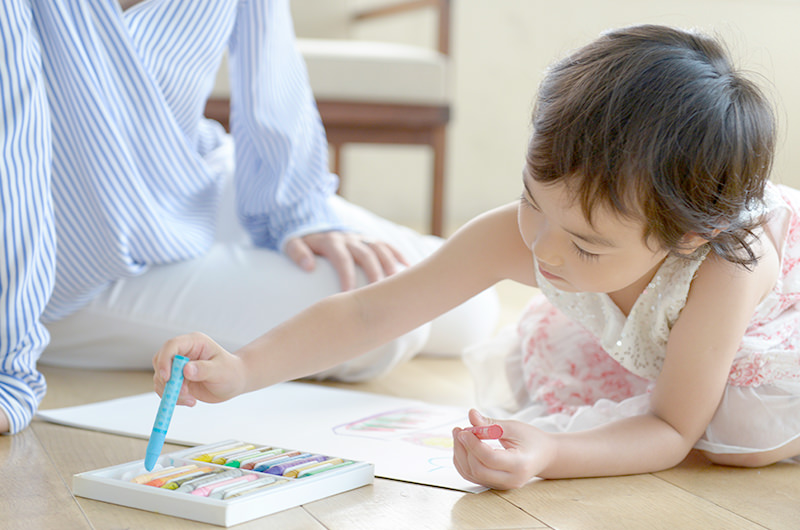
405	439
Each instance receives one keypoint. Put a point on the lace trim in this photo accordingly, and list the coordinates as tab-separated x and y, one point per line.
639	341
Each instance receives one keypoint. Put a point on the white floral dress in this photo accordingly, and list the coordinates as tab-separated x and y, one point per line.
576	361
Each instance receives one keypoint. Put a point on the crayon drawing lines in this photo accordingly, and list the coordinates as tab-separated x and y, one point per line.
414	425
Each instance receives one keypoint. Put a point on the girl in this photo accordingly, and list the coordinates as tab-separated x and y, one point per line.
666	258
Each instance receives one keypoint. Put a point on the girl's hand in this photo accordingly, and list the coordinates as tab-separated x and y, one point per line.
212	375
526	452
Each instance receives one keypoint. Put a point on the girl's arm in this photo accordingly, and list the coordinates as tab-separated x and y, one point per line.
348	324
700	351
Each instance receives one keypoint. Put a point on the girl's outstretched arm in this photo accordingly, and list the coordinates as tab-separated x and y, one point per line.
345	325
701	348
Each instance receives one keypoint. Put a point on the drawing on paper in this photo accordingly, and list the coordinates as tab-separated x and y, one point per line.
420	426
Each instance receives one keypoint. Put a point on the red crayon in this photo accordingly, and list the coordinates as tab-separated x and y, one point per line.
487	432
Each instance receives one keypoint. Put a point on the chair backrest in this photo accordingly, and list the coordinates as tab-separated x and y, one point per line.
322	19
421	22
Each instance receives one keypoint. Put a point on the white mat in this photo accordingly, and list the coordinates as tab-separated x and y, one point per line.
406	439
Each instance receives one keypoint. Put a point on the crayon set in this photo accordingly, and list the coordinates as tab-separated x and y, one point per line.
226	483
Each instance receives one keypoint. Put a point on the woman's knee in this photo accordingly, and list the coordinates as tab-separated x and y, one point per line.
468	324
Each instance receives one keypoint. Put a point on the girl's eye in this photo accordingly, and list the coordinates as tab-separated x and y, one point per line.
525	202
588	256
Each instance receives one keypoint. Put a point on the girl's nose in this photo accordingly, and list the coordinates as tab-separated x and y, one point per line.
546	249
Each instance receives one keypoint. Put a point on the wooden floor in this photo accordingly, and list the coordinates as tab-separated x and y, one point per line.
37	465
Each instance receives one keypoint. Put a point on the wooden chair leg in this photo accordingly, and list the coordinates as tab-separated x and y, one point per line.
437	197
337	164
438	145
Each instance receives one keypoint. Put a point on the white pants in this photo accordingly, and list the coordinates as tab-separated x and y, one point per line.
237	292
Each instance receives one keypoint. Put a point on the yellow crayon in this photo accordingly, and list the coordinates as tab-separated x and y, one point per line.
208	457
228	456
160	481
239	461
147	477
176	483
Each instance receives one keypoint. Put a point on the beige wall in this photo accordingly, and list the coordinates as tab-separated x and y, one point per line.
500	49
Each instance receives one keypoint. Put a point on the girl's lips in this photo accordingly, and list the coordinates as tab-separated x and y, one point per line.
548	275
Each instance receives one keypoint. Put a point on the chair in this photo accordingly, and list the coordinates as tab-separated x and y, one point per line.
370	91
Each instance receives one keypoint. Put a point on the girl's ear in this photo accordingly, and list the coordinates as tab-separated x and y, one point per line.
692	241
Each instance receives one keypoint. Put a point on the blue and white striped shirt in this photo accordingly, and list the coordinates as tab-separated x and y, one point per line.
103	137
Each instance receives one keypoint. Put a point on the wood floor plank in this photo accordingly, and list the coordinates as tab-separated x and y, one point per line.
389	505
622	503
34	495
769	496
67	387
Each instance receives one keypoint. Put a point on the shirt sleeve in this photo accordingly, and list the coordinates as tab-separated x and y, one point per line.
27	256
282	177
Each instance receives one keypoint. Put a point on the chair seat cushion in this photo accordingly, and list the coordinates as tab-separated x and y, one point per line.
384	72
368	71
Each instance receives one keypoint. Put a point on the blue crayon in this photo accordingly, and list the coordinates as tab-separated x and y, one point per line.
280	469
168	400
295	455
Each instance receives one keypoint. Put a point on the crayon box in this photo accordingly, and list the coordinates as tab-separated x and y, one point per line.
226	483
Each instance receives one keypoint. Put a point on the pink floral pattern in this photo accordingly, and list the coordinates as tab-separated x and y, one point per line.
763	369
770	349
580	374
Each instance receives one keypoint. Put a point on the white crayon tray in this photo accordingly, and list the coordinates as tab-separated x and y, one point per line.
260	493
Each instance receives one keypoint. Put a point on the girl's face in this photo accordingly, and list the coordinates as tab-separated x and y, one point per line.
609	256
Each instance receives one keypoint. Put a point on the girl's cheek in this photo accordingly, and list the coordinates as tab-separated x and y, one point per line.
526	225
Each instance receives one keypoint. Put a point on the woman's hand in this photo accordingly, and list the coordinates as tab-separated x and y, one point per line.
212	374
526	452
346	251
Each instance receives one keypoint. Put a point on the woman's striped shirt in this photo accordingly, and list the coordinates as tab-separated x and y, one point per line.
102	139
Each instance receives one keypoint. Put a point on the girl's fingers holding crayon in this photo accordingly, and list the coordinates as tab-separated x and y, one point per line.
476	418
477	462
526	451
185	398
460	457
191	345
212	375
485	454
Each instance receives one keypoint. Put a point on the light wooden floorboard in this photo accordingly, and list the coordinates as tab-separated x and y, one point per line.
34	494
37	465
622	503
391	505
769	496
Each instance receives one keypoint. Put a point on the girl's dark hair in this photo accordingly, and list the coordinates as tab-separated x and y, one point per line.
655	123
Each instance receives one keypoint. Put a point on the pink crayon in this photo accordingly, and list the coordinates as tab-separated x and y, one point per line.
487	432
